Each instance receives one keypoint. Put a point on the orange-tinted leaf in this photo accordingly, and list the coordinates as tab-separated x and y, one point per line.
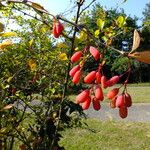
136	41
143	56
8	106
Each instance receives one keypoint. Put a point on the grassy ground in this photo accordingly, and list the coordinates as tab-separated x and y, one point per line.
108	136
140	93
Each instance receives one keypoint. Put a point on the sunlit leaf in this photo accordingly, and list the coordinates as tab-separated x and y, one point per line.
63	56
83	35
9	79
8	106
32	64
1	27
143	56
136	41
5	44
31	42
121	21
100	23
105	38
62	45
96	33
8	34
36	6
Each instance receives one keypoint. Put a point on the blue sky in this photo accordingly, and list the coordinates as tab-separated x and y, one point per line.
131	7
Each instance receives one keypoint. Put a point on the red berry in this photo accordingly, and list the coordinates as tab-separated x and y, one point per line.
82	96
111	94
113	80
76	77
123	112
128	100
86	104
57	29
74	70
99	93
96	104
104	82
98	78
120	101
94	52
90	77
76	56
56	35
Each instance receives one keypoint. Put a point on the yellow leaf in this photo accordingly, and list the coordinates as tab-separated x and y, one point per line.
83	35
1	27
96	33
143	56
8	34
32	65
100	23
31	42
136	41
9	79
63	56
121	21
5	44
62	45
8	106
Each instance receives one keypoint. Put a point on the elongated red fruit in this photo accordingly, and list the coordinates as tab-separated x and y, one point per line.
128	100
123	112
94	52
104	82
90	77
120	101
82	96
111	94
96	105
86	104
76	56
99	93
74	70
112	81
56	35
57	29
98	78
76	77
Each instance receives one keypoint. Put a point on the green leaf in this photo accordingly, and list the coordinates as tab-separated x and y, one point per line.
100	23
121	20
105	38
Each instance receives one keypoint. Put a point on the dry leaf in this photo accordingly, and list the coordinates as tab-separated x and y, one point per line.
32	64
143	56
136	41
8	106
37	6
5	44
8	34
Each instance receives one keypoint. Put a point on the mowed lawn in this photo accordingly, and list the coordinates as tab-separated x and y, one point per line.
107	135
140	93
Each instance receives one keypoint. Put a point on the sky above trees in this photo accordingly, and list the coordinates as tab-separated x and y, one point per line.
131	7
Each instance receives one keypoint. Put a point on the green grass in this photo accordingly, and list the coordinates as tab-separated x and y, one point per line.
108	136
140	93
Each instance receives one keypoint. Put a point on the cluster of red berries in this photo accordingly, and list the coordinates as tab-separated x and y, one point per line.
98	81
